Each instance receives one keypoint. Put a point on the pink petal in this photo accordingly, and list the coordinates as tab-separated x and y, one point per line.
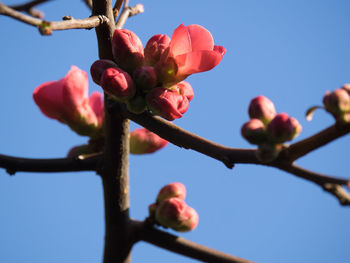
190	38
96	104
197	61
220	49
48	96
75	88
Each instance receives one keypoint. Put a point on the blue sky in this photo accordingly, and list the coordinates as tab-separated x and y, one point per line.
291	51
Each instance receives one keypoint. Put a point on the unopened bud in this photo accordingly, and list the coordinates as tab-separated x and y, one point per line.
144	141
167	103
184	88
282	128
145	77
254	131
155	47
172	190
262	108
127	49
118	83
98	67
176	214
337	102
346	87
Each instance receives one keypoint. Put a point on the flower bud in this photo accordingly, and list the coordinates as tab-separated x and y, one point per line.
145	77
155	47
184	88
254	131
282	128
98	67
127	49
144	141
337	102
346	87
176	214
172	190
268	152
118	83
262	108
167	103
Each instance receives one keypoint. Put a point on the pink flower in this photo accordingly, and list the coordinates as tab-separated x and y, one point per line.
176	214
191	50
127	49
144	141
169	104
66	100
118	83
172	190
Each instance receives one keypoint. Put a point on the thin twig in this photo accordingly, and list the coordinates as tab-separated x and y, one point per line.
86	23
182	246
17	164
128	12
29	8
116	8
339	192
318	140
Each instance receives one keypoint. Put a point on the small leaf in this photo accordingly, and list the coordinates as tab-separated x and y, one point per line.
45	28
310	112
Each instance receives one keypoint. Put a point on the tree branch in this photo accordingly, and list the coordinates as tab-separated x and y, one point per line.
128	12
16	164
303	147
182	246
86	23
29	8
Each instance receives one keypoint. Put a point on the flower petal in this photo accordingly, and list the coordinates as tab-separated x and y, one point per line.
96	104
197	61
190	38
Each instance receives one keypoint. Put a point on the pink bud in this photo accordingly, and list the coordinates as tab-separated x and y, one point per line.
167	103
127	49
337	102
176	214
184	88
297	128
97	105
262	108
155	47
118	83
143	141
346	87
172	190
98	67
66	100
145	77
254	131
282	128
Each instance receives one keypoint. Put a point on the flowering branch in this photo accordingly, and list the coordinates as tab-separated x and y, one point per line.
182	246
17	164
231	156
46	27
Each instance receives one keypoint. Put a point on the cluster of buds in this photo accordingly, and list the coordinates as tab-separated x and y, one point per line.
67	101
152	77
170	209
267	129
337	103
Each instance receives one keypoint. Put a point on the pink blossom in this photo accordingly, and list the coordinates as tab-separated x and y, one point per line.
191	50
283	128
262	108
169	104
66	100
254	131
98	67
155	47
144	141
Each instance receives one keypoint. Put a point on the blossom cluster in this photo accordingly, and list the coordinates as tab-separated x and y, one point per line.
153	77
170	209
267	129
337	103
67	101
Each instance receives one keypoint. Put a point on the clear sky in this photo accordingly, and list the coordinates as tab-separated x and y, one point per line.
291	51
